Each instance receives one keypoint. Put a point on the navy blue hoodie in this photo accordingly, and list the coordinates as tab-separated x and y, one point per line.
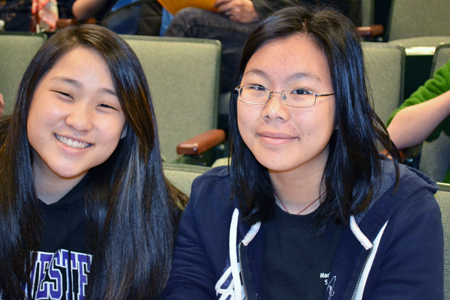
394	250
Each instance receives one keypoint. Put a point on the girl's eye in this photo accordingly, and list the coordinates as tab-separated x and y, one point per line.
107	106
256	87
64	94
300	92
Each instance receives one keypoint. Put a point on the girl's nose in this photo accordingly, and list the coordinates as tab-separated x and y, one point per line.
80	118
275	108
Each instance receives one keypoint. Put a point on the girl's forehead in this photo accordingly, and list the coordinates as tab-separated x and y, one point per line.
294	58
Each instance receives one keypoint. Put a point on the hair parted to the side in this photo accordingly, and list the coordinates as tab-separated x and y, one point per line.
353	169
130	206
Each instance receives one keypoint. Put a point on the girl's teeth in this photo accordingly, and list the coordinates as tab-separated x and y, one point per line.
71	143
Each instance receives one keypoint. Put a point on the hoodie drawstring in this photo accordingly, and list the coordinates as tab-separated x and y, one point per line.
234	289
233	255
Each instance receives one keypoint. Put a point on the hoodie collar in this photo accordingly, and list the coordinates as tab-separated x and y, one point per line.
407	176
411	181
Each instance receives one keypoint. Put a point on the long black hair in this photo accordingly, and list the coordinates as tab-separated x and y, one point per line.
353	168
131	208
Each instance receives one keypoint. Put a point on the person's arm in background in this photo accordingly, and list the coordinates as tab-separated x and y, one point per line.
412	125
424	113
85	9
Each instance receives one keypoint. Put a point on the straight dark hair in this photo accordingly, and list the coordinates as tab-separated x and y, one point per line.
132	210
353	169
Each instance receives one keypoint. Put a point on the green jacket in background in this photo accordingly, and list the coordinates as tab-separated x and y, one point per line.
439	84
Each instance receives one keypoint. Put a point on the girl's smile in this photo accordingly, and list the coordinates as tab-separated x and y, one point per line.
73	143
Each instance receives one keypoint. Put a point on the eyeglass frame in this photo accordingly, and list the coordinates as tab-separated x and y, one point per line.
239	87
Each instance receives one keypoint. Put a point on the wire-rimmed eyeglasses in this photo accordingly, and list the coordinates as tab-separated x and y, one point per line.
259	95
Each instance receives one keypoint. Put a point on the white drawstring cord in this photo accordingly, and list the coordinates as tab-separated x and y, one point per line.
225	293
234	290
233	255
365	242
365	274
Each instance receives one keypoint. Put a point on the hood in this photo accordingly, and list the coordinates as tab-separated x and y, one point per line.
412	179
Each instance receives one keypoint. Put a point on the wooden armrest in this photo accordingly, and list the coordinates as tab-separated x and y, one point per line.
370	31
202	142
62	23
403	154
410	153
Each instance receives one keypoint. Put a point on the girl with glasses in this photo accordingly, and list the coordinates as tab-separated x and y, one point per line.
308	209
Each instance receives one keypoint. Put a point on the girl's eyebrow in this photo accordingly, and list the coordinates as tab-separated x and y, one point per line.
78	84
298	75
301	75
258	72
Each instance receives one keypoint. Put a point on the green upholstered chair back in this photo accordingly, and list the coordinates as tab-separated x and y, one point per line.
441	56
367	12
384	68
183	76
418	18
443	198
16	52
435	157
182	176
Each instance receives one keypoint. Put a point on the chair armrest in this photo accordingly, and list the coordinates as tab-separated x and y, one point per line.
370	31
202	142
411	156
404	154
408	156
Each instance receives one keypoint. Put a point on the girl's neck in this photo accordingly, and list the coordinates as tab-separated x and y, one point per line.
295	192
50	188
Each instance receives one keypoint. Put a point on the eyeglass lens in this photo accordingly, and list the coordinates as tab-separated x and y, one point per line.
260	95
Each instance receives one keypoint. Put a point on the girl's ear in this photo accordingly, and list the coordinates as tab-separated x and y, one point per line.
124	131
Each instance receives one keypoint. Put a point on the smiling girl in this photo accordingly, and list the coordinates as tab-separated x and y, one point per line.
308	209
86	211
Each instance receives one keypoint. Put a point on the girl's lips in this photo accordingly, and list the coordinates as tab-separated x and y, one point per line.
276	138
276	135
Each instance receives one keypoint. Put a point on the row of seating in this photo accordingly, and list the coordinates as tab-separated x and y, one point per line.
183	75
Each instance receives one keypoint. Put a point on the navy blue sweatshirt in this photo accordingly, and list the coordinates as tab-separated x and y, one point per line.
394	250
